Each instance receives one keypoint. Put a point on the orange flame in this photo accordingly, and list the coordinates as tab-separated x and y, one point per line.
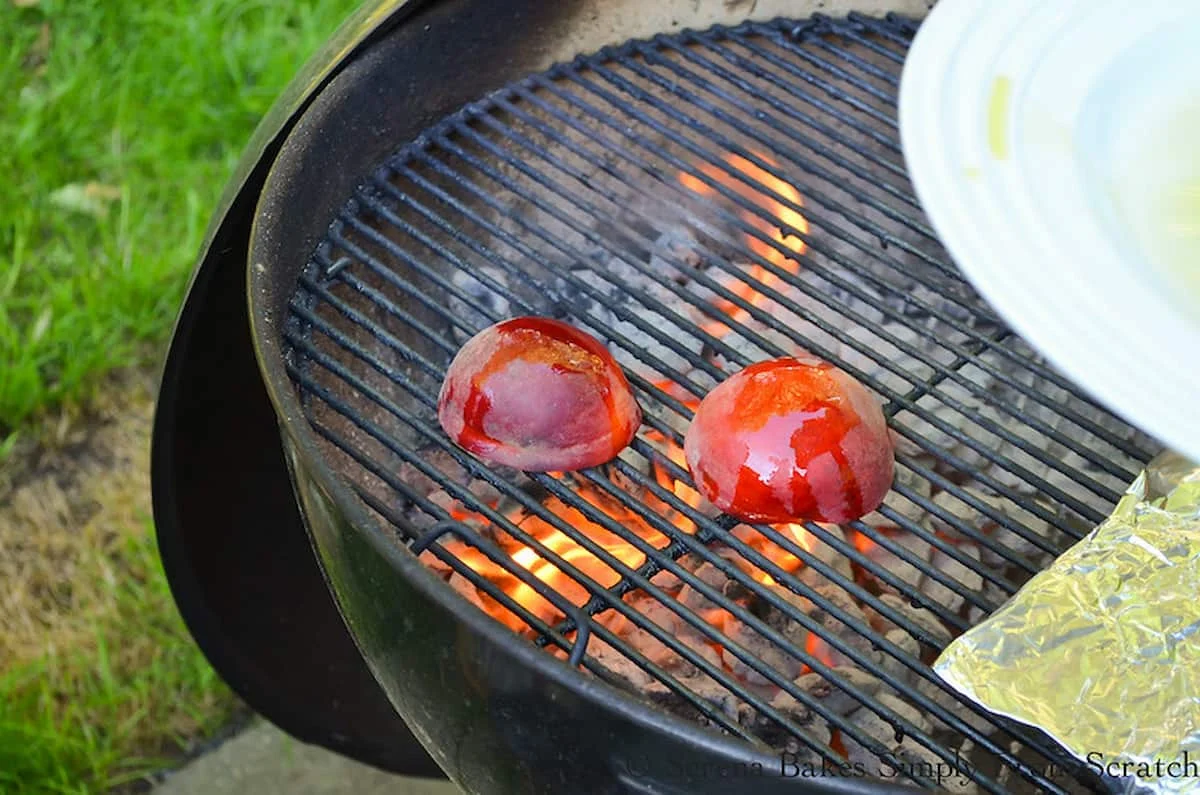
866	545
587	563
679	488
676	391
785	228
772	551
557	542
863	543
779	244
577	555
817	647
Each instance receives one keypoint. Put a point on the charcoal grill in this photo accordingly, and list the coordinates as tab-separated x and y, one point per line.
699	199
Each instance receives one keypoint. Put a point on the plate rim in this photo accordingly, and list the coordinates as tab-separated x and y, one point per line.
979	248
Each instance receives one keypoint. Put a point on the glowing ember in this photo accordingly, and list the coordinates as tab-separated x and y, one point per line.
676	391
819	649
555	541
775	217
776	554
785	227
867	545
862	543
679	488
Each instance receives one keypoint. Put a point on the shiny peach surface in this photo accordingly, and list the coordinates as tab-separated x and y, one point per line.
538	395
791	440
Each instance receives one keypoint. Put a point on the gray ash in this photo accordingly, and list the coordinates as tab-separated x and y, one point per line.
989	440
659	656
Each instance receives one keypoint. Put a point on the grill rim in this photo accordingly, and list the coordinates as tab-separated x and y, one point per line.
300	434
307	464
188	438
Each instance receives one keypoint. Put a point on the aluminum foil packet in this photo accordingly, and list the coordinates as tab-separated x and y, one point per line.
1102	650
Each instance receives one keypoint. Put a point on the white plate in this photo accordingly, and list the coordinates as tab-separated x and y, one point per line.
1055	147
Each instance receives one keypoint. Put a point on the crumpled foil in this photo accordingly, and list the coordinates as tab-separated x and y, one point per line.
1102	650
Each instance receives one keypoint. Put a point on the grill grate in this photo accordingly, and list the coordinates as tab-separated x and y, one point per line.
562	195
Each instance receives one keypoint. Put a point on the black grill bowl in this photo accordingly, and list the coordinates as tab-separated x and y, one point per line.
305	360
497	714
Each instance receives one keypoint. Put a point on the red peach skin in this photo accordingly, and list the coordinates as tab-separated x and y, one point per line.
791	440
538	395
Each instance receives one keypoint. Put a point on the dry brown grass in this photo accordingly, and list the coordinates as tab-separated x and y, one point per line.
97	672
71	502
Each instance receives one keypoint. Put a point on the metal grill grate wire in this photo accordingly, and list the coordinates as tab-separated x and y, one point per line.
485	215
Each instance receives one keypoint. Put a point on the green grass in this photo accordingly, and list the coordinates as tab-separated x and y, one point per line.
121	122
92	716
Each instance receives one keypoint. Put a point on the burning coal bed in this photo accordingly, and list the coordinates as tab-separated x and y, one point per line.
982	499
